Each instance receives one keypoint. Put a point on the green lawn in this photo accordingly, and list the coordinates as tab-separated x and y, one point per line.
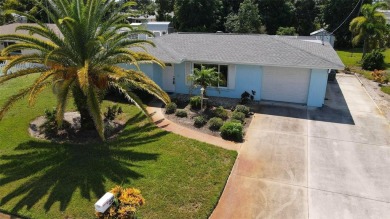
179	177
352	57
385	89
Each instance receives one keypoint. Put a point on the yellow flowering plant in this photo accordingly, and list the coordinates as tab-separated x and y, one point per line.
126	202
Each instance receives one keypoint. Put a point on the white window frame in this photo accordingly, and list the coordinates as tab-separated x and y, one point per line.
218	70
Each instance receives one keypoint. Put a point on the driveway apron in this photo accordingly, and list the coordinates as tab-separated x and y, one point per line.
329	162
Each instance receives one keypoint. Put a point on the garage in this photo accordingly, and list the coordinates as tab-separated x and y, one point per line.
285	84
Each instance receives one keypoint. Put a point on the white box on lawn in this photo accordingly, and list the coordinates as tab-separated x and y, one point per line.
104	202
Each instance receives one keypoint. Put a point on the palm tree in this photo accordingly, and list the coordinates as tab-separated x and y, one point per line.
84	60
370	27
204	77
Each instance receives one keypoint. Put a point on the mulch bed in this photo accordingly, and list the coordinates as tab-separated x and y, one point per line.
189	121
74	134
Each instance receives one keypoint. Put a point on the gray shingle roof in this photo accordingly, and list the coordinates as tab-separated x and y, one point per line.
263	50
10	29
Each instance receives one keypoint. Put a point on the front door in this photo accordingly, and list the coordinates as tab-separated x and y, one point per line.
169	78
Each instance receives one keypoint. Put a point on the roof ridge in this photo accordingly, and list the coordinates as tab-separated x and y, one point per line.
320	57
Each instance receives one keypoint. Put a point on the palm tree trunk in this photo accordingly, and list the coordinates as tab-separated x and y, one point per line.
365	44
80	100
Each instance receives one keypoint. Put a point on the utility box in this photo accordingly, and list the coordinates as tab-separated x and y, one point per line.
104	202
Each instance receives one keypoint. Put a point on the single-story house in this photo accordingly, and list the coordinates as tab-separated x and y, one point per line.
158	28
324	36
277	68
11	29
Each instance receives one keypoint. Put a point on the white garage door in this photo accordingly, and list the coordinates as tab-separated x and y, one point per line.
285	84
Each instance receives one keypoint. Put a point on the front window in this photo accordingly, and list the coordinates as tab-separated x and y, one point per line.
222	73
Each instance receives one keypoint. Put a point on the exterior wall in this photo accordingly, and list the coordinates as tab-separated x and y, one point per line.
180	79
317	87
247	78
158	27
153	71
158	75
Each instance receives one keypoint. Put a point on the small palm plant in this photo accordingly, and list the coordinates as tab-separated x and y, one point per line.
83	60
205	77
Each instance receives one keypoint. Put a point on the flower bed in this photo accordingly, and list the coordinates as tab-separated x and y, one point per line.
209	118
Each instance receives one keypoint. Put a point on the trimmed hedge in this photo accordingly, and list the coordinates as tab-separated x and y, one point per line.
170	108
181	113
238	116
200	121
232	131
215	123
220	112
242	109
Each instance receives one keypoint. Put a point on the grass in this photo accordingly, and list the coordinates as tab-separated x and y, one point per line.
352	57
179	177
386	90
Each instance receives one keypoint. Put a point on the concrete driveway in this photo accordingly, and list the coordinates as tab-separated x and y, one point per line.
332	162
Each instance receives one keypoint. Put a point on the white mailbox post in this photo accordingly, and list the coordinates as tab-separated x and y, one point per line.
104	202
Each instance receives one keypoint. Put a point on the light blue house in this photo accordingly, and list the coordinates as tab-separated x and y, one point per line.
277	68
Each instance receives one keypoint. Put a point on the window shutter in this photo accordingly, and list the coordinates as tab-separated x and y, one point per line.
188	72
232	77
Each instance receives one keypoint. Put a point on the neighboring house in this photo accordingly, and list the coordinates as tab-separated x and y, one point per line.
324	35
11	29
158	28
142	19
386	13
277	68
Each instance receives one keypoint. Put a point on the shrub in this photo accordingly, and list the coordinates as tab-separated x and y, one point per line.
50	126
247	97
195	102
242	109
200	121
238	116
232	131
181	113
215	123
380	77
112	112
220	112
170	108
126	202
235	120
373	60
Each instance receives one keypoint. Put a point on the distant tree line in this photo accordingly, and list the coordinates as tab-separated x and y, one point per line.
292	17
300	17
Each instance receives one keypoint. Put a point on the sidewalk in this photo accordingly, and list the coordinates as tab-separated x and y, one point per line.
157	115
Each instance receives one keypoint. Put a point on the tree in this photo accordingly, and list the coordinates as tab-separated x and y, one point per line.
84	62
247	20
198	15
305	14
288	31
205	77
146	7
335	12
164	7
276	13
370	27
25	6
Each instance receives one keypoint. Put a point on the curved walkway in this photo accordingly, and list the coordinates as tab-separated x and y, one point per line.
158	118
